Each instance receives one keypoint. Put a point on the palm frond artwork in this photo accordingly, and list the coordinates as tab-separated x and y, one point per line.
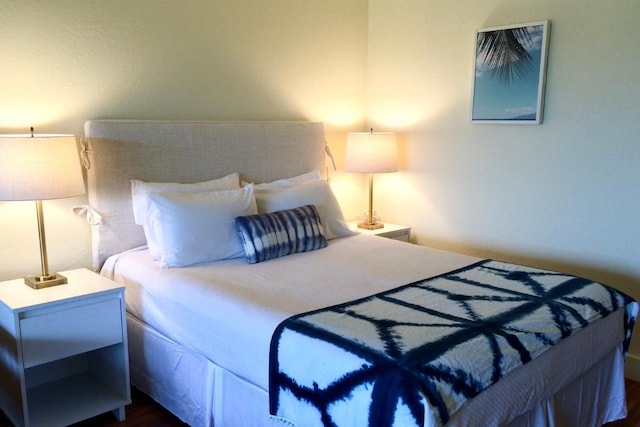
503	53
509	74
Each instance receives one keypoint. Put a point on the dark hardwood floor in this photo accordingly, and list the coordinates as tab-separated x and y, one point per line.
633	406
144	412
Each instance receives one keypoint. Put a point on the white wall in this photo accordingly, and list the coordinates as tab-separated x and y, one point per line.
67	61
565	194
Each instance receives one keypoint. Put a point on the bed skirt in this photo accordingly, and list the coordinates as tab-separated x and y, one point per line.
203	394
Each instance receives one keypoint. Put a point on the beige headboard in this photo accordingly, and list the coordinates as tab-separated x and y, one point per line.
117	151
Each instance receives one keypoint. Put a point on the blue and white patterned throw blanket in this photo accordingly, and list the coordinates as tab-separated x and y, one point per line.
413	355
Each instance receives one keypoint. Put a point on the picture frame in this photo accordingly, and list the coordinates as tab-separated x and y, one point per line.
509	79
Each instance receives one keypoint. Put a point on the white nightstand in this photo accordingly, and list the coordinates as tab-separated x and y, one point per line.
63	350
391	231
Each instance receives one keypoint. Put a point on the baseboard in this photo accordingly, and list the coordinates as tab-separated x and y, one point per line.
632	367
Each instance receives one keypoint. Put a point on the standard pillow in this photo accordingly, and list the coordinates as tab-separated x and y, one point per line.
288	182
277	234
317	193
141	189
194	228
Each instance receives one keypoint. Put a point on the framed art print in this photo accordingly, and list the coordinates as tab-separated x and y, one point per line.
509	74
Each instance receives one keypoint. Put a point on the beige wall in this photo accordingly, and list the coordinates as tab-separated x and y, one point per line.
565	194
64	62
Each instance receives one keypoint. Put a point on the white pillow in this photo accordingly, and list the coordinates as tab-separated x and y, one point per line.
140	190
193	228
317	193
288	182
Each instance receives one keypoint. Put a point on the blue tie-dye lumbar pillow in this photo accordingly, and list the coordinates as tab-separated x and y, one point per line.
276	234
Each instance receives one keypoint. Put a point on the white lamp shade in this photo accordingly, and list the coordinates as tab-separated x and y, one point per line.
371	152
39	167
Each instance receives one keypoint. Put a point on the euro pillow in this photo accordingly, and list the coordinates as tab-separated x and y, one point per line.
194	228
288	182
141	189
317	193
281	233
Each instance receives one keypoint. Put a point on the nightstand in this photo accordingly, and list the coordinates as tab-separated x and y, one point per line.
63	350
391	231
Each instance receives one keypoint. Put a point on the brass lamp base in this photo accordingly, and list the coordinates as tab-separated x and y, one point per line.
371	225
39	282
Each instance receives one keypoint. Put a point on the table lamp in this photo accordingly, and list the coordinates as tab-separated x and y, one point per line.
40	167
371	152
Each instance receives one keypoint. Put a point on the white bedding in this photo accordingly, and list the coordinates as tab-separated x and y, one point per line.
230	320
240	308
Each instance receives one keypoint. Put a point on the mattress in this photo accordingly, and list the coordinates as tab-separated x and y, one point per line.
227	311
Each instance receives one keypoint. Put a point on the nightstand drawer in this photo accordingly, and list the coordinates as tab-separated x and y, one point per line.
69	331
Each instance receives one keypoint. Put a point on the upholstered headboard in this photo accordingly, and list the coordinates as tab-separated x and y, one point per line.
117	151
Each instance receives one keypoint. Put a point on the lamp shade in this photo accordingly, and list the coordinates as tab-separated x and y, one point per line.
371	152
39	167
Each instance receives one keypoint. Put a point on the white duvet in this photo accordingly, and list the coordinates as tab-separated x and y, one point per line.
228	310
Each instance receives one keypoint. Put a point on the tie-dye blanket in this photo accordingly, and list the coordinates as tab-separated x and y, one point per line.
413	355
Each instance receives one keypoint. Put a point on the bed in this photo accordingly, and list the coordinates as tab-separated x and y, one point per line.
216	340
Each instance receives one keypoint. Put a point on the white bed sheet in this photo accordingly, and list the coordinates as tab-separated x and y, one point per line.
230	320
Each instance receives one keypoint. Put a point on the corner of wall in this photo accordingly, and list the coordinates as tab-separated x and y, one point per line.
632	367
